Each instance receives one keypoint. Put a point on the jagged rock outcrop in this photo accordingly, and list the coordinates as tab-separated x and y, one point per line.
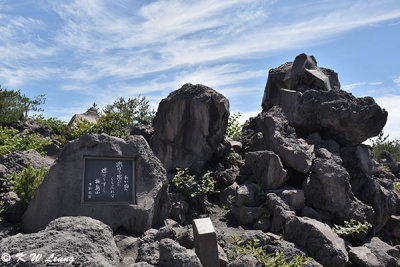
91	115
386	159
172	254
328	190
267	169
144	129
280	212
18	160
318	240
32	126
66	240
189	125
311	98
281	138
374	191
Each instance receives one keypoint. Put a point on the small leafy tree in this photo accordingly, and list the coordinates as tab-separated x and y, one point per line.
113	124
234	126
15	106
189	186
27	181
133	110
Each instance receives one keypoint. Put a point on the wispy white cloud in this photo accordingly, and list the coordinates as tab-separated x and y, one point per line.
349	87
375	83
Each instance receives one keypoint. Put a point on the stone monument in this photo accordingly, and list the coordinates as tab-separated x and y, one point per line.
119	182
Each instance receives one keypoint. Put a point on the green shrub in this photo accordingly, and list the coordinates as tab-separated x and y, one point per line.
253	248
80	127
57	126
27	181
133	110
10	141
351	228
15	106
382	143
234	126
112	124
187	184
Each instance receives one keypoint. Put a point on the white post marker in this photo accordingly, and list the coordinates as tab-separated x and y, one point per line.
205	242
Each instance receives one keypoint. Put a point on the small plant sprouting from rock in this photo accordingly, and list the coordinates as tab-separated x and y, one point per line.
253	248
351	228
187	184
27	181
234	126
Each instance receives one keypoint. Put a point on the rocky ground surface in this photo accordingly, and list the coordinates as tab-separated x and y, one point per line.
298	168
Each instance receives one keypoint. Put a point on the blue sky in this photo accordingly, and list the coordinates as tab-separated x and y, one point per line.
85	51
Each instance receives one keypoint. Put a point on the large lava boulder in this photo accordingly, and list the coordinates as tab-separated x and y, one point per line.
61	192
67	241
91	115
189	125
312	100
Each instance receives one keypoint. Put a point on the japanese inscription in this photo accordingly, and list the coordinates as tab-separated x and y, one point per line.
108	180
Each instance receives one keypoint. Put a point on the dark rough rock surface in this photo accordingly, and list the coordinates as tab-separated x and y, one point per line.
393	225
280	212
189	125
281	138
172	254
318	240
18	160
89	242
362	256
267	169
386	159
328	189
251	136
128	247
149	252
245	260
312	100
13	209
385	253
32	126
374	191
51	200
293	197
246	215
145	130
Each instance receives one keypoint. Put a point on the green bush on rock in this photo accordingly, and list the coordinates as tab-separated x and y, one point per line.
188	185
253	248
351	228
11	141
15	106
27	181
